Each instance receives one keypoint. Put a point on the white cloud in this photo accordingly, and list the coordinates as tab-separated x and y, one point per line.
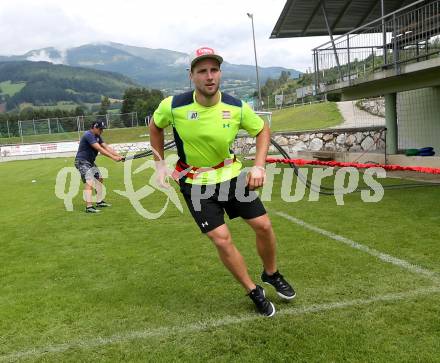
172	24
181	61
44	56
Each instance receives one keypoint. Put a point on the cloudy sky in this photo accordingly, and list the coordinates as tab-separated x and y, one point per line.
170	24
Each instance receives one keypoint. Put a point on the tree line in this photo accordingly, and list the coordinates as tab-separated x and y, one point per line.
140	100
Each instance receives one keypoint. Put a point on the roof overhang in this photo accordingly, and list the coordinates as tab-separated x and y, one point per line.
305	18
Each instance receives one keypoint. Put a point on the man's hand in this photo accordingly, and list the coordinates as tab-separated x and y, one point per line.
256	177
162	174
117	157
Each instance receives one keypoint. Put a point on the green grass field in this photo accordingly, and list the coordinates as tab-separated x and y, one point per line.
111	136
117	287
61	105
307	117
11	89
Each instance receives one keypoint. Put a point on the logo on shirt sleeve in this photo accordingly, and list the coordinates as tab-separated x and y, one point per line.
193	115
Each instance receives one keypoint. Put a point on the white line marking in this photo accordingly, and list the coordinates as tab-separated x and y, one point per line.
209	324
380	255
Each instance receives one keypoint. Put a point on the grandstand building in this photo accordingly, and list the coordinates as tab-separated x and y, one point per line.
377	48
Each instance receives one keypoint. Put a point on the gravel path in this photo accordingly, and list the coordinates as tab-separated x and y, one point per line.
354	117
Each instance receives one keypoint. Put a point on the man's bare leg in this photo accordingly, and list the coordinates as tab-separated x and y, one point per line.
88	189
265	241
230	256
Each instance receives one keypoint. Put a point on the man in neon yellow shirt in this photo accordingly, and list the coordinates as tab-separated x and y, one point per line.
205	123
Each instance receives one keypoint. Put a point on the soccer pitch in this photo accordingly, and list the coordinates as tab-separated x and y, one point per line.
115	286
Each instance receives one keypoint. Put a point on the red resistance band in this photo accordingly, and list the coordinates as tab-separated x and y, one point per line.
192	172
419	169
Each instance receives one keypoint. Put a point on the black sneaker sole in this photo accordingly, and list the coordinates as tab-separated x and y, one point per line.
273	312
284	297
273	307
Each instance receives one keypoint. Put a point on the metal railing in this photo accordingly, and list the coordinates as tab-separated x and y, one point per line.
410	34
61	128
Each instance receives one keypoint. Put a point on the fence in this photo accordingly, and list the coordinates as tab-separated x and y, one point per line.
294	105
417	117
410	34
61	129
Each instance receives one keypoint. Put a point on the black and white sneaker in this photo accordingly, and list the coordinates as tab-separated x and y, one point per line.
103	204
283	288
92	210
263	305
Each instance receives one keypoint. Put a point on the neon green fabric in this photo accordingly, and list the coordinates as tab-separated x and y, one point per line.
205	134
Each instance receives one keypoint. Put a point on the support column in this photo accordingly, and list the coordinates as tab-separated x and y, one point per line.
330	33
391	122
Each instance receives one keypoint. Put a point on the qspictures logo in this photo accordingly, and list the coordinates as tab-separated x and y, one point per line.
292	189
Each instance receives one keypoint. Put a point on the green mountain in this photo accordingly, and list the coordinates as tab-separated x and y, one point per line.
44	83
155	68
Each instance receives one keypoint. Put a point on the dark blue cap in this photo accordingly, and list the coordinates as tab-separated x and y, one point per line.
99	125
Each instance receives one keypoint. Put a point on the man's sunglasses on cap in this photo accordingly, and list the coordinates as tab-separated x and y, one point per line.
99	125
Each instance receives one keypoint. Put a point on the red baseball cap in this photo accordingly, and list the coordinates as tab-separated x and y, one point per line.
204	53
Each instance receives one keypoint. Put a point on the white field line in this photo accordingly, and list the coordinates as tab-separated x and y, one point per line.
371	251
209	324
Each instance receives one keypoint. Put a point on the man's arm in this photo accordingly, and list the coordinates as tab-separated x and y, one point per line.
262	143
109	149
157	142
257	174
104	151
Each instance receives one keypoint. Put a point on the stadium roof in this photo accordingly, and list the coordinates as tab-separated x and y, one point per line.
305	18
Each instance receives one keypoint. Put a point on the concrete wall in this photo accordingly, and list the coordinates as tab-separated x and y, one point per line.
339	140
418	114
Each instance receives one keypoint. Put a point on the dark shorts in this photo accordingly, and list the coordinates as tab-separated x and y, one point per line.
207	203
88	170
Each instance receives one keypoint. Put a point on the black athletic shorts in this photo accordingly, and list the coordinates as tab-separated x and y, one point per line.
207	203
88	170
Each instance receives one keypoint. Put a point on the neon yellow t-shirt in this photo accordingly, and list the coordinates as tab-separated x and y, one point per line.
204	135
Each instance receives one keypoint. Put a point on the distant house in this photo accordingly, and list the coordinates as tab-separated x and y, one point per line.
308	91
